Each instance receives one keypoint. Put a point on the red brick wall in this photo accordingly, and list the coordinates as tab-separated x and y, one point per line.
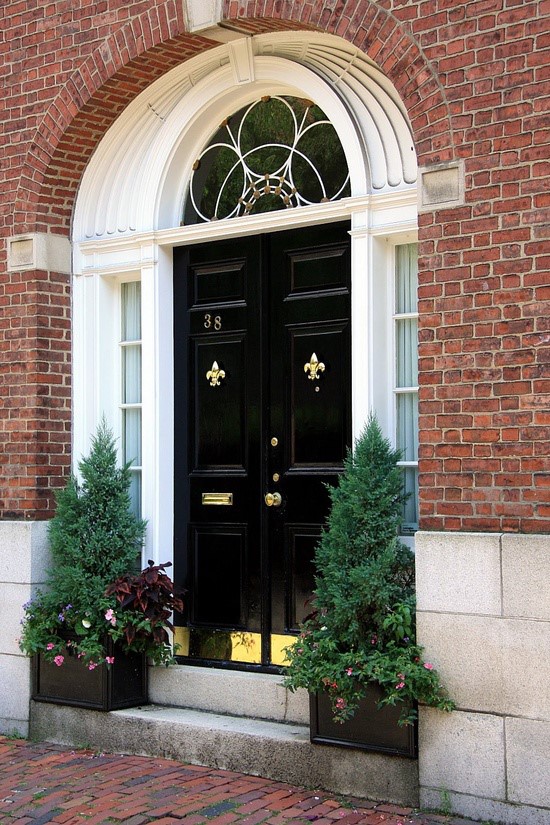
474	79
35	413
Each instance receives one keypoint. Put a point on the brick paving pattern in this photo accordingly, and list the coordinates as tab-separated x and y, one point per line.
44	783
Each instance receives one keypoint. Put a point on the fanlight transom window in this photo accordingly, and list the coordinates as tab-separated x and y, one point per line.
276	153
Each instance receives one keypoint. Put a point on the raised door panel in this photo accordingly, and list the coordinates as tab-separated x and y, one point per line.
219	440
317	414
219	575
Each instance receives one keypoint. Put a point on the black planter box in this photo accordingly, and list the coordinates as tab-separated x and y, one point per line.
369	729
122	685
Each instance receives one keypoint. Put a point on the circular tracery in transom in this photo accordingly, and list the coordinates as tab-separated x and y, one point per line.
278	152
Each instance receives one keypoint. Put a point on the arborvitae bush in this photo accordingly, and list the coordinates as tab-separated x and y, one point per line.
362	628
94	537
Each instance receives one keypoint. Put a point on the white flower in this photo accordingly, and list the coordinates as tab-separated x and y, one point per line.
86	623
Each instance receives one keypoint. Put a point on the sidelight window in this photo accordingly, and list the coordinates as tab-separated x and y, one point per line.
276	153
130	355
406	375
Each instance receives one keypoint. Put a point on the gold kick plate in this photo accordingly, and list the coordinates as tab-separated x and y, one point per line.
218	499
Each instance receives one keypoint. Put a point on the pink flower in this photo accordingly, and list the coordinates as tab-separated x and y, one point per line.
50	646
428	666
92	666
400	685
349	671
110	660
59	660
341	703
110	616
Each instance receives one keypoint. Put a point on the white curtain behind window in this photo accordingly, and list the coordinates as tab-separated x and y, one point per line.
131	385
406	374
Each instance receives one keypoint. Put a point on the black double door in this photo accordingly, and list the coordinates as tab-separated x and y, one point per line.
262	424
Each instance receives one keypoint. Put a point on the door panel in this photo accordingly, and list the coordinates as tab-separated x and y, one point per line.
219	575
262	405
300	541
220	435
317	416
215	283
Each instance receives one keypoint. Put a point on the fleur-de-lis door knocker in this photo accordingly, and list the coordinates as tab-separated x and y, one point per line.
215	375
314	367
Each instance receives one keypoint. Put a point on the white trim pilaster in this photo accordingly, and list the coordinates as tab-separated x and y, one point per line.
157	405
361	322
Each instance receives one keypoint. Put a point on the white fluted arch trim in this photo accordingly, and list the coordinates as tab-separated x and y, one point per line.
138	176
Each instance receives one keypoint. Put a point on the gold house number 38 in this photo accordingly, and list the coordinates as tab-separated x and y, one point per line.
210	322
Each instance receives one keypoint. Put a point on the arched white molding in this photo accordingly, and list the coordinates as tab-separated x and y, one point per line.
271	77
136	180
370	95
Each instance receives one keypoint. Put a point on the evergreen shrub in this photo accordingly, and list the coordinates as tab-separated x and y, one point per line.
362	629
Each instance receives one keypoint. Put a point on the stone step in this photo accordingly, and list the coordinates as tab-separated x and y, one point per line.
238	693
281	751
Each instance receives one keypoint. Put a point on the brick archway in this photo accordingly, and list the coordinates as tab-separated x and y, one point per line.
82	112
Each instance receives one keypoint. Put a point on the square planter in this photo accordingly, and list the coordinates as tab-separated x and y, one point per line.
122	685
368	729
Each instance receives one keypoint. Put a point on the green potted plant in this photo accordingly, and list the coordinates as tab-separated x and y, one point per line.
93	627
357	654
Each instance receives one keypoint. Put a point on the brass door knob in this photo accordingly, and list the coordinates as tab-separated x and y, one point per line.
273	499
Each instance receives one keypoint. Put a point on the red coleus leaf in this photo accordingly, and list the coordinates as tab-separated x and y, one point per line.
152	593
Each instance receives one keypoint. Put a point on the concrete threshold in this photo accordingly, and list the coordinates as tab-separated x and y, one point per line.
280	751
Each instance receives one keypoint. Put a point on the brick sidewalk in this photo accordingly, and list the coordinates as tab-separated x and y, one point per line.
43	783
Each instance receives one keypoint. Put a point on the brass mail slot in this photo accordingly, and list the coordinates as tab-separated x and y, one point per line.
217	498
